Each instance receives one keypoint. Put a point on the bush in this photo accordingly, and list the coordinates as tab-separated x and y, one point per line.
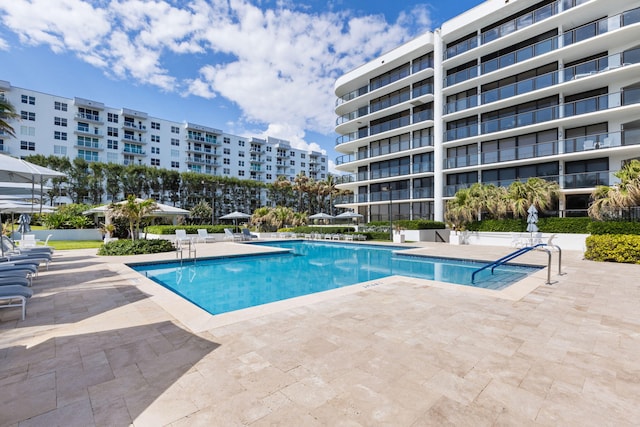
136	247
68	217
613	248
614	227
191	229
546	225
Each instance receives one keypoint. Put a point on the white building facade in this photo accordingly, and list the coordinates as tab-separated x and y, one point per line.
505	91
78	127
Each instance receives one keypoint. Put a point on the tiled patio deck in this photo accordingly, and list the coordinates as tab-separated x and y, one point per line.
101	347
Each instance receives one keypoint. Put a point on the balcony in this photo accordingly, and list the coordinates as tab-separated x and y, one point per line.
134	151
256	160
580	34
88	132
4	149
89	117
202	149
133	138
201	161
133	126
90	145
569	109
509	27
461	161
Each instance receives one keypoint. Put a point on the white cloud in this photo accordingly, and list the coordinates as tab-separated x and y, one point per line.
4	45
277	65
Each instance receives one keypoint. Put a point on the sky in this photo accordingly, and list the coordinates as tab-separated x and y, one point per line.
252	68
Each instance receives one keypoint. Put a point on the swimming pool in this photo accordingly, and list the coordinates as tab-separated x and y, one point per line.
223	284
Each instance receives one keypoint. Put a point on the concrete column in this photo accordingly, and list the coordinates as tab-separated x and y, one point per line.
438	128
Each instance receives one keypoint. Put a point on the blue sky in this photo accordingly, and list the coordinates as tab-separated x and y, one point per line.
248	67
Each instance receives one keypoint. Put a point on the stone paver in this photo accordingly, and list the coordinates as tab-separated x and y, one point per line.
103	346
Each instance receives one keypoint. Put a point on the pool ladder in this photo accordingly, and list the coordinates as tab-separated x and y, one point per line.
190	245
541	246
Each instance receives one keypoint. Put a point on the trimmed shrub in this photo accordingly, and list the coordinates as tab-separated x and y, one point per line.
613	248
136	247
191	229
413	224
614	227
546	225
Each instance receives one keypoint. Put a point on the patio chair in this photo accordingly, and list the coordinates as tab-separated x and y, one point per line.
15	296
247	236
230	235
181	237
204	236
9	246
28	241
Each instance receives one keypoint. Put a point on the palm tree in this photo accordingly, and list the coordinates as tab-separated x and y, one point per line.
7	112
133	210
461	210
535	191
619	196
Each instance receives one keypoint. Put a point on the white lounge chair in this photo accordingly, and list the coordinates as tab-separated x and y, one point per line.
204	236
230	235
182	238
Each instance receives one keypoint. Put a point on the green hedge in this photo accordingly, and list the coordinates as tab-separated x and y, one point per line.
414	224
546	225
136	247
191	229
614	227
614	248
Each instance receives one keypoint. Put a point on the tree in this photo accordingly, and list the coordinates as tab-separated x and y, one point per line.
609	199
535	191
133	210
201	211
7	112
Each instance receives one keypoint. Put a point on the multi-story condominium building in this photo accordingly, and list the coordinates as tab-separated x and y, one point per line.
505	91
78	127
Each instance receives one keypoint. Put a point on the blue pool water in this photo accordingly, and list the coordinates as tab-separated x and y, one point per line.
220	285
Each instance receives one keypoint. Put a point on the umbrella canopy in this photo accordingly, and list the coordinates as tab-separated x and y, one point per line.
160	210
14	206
321	215
18	170
349	215
20	188
235	216
532	219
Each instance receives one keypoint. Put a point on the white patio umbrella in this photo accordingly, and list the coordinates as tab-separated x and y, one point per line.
20	189
160	210
14	170
321	215
348	215
532	219
235	216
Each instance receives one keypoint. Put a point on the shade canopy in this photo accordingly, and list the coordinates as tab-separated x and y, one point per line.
348	215
20	189
160	210
14	206
236	215
321	215
18	170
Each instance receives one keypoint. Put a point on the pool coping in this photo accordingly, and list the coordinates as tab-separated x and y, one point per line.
198	320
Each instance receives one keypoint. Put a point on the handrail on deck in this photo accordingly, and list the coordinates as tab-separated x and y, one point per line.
519	252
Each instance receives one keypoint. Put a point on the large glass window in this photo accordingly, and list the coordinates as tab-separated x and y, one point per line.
527	146
586	102
586	173
585	137
392	167
423	162
462	128
389	145
503	177
390	99
423	187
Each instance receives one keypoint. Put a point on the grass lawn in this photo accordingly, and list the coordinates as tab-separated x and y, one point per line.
75	244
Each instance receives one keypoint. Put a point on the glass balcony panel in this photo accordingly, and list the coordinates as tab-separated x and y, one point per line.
526	119
524	20
507	154
525	86
631	96
490	35
490	65
524	54
544	12
526	152
490	96
507	91
490	157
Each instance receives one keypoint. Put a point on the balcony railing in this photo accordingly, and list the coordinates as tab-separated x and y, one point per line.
134	151
88	116
133	138
131	125
509	27
576	35
583	106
